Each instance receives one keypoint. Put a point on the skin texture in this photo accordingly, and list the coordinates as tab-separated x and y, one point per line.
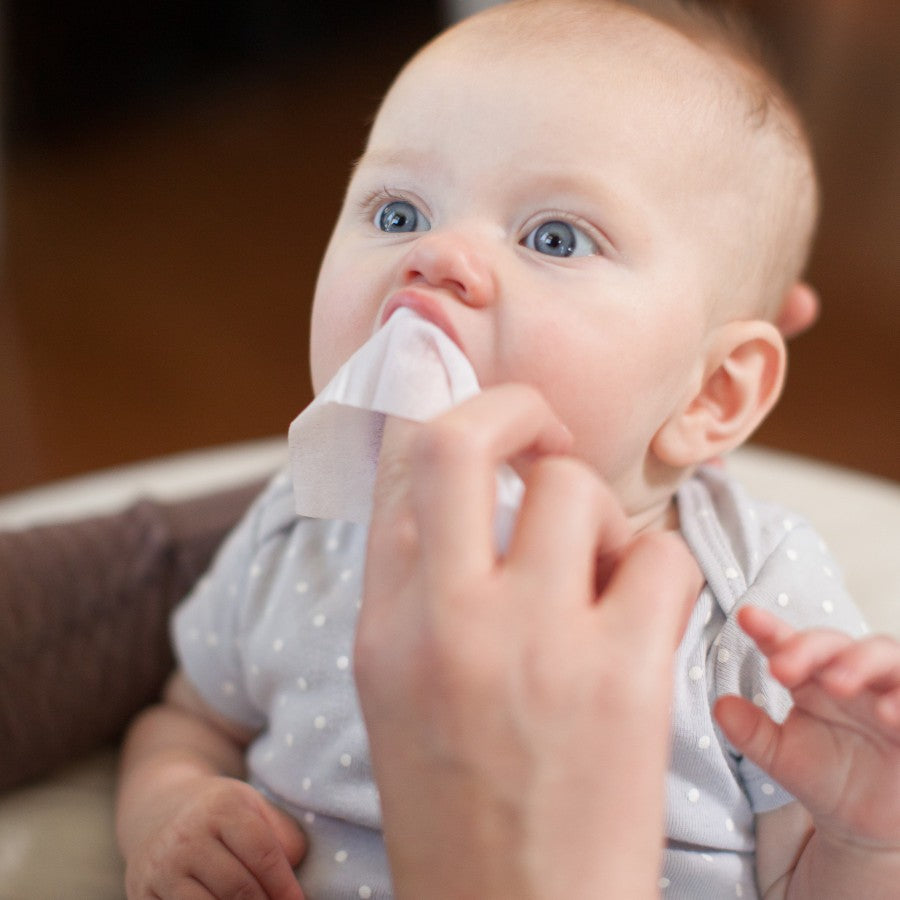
643	270
515	659
488	685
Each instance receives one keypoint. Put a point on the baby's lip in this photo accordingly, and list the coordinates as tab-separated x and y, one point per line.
423	304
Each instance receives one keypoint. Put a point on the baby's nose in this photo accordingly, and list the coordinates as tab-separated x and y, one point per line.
453	263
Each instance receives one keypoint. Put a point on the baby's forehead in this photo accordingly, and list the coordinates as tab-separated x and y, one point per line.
693	95
607	44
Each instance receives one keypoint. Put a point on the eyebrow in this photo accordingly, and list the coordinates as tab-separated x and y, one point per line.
394	159
619	211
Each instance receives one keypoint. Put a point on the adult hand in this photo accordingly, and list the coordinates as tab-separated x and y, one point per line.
517	706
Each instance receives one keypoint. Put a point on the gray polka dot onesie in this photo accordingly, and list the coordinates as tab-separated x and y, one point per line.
267	637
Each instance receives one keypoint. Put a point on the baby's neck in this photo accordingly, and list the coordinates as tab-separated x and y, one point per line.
662	516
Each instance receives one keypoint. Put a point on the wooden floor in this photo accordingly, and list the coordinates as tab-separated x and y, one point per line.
159	269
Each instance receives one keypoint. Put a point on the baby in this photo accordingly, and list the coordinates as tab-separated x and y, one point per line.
609	202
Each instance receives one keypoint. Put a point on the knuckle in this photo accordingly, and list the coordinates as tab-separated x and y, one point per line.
246	890
445	442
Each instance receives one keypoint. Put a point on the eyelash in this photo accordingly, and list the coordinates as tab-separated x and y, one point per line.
372	201
558	215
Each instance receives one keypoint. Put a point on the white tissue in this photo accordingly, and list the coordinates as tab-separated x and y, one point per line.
410	369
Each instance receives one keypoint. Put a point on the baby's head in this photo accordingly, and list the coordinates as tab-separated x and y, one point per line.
607	203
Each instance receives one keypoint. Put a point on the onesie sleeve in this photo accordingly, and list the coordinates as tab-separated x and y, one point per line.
207	627
797	580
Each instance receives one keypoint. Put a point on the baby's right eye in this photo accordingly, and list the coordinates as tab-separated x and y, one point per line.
399	216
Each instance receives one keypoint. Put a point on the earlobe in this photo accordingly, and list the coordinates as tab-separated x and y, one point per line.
741	382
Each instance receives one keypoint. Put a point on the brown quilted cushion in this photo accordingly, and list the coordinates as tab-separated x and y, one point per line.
84	612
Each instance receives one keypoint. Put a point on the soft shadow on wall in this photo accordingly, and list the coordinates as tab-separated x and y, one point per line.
173	171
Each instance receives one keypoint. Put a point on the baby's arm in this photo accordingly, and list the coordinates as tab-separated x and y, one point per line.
838	752
186	825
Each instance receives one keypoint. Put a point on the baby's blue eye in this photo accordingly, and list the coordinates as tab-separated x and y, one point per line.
557	238
400	216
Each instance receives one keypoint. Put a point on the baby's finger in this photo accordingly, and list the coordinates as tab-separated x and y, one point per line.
218	873
794	656
873	664
767	631
748	729
806	655
260	851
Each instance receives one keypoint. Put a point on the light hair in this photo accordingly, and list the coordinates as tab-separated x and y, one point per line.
779	217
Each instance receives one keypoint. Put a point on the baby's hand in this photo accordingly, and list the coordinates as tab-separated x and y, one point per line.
838	751
225	840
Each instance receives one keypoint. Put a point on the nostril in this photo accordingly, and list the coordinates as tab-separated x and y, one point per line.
447	263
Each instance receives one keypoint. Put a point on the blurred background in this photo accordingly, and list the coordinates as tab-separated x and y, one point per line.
172	168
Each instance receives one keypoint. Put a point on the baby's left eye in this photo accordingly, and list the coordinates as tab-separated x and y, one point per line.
561	239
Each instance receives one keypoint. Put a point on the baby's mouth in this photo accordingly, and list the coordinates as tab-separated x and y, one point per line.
425	305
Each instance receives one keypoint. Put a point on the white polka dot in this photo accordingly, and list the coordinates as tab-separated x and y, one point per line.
365	892
693	795
723	655
319	619
828	606
254	670
289	739
306	784
212	639
278	645
309	818
343	663
695	673
341	856
791	554
301	587
788	525
729	825
738	890
302	683
827	572
704	742
731	572
255	570
783	600
664	883
759	699
292	551
320	722
706	856
767	788
229	689
346	760
347	574
333	544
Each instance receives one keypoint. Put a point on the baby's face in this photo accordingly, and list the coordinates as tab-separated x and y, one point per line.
551	217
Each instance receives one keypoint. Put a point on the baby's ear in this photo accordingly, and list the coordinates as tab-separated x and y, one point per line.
741	381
